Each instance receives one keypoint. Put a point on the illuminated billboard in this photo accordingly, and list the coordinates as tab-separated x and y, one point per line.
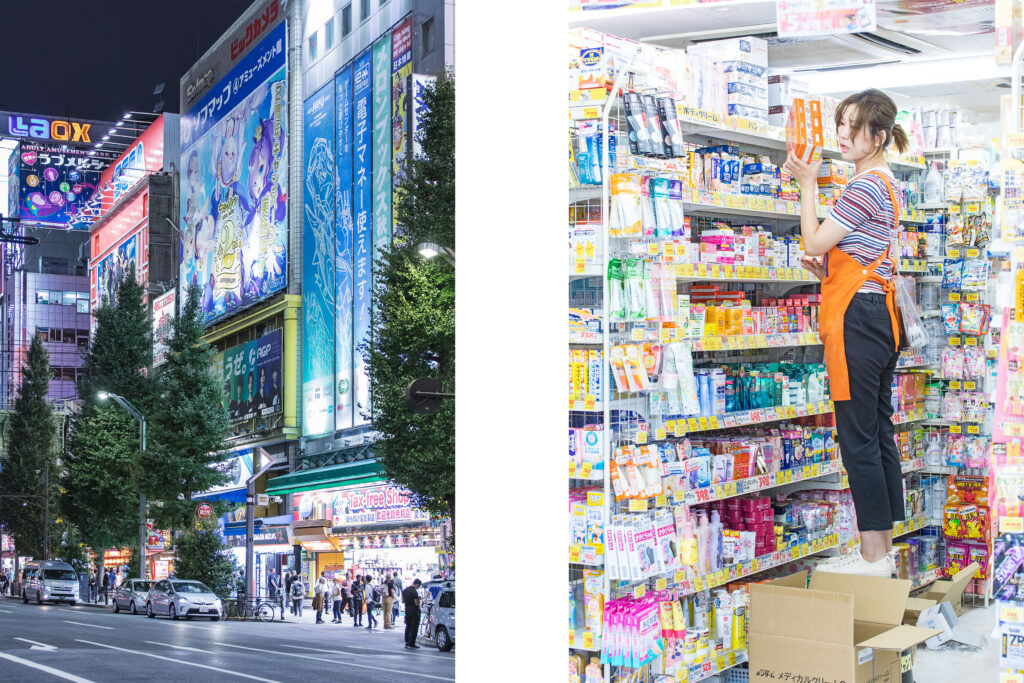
252	377
233	209
56	184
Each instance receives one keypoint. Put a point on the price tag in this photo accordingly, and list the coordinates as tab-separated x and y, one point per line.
641	437
804	549
665	335
640	591
729	273
721	663
972	253
683	675
580	266
955	385
680	429
760	341
719	492
702	270
703	422
1011	613
574	553
660	584
971	341
586	470
973	429
1011	525
638	505
730	489
814	470
698	584
716	271
954	296
721	577
953	253
955	429
716	199
652	248
810	409
669	249
692	425
687	270
660	500
572	402
954	341
637	333
970	386
679	576
660	434
807	472
972	296
732	659
572	638
1006	677
780	413
589	402
588	640
572	470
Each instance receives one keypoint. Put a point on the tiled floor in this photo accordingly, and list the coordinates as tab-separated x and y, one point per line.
955	664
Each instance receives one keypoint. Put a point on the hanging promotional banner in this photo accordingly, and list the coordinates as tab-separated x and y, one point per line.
163	315
362	205
113	267
420	83
13	182
1008	423
381	144
252	377
145	155
318	266
401	69
56	185
238	468
234	150
1012	164
344	263
824	17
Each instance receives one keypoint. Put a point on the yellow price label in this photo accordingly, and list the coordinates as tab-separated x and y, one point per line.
730	489
579	266
729	272
660	500
572	638
589	402
660	434
665	335
588	640
732	659
638	505
716	271
703	422
587	468
954	296
970	386
971	341
804	549
1006	677
698	584
955	385
679	576
814	470
637	333
954	253
702	270
807	472
692	424
640	591
1012	525
972	253
683	675
669	248
753	565
687	270
572	402
572	470
973	429
652	248
955	429
721	663
972	296
641	437
661	584
574	553
954	341
712	422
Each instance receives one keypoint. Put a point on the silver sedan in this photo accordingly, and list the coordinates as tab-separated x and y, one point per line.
176	598
131	595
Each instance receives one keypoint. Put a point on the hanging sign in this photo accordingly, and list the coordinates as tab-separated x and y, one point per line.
1009	416
824	17
203	511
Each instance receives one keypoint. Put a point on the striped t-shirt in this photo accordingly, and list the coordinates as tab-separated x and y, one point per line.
865	210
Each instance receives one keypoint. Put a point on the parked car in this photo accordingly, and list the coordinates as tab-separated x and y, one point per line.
132	595
177	598
440	613
49	580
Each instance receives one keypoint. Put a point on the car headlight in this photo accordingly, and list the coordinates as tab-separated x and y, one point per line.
183	601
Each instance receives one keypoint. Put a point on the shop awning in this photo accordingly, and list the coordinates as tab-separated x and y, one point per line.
228	496
346	474
312	535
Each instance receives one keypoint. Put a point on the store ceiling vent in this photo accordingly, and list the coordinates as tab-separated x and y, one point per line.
815	53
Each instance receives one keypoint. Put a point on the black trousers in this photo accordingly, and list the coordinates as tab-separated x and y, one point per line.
864	423
357	610
412	626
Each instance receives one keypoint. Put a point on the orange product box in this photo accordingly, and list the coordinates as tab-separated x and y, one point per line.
833	173
804	137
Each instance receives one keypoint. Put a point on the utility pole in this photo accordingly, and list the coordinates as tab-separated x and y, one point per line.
46	509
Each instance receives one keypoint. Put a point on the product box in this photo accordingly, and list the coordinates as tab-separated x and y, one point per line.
833	173
952	590
840	627
804	135
749	50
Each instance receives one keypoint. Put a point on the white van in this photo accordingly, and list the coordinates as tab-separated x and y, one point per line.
49	580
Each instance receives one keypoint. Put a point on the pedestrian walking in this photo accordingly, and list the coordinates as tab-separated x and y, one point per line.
289	578
357	600
397	578
336	600
411	598
372	593
318	598
108	585
298	591
389	601
346	595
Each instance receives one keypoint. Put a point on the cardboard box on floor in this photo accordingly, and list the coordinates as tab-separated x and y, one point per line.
952	590
842	627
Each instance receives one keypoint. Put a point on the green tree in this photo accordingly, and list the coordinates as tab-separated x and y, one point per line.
30	446
413	324
200	554
186	438
101	469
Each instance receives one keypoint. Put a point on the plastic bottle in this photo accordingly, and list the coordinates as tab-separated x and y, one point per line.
933	185
703	537
715	546
688	551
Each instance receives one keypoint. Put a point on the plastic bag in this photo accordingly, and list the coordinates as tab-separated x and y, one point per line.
914	333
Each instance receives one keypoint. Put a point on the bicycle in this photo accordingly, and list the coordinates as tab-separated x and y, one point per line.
260	611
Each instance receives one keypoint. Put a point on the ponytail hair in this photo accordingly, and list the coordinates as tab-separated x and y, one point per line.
874	112
899	138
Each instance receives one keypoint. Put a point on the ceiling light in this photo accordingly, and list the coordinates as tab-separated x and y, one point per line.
98	145
119	124
106	137
127	115
111	131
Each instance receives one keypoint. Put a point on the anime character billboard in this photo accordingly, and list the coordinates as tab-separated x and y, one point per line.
234	189
113	267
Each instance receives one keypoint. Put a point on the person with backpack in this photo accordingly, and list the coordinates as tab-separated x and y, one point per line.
372	592
298	593
357	600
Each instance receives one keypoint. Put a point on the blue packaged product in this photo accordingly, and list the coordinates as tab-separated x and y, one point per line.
744	68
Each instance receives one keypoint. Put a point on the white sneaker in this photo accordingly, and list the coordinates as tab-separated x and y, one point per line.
856	564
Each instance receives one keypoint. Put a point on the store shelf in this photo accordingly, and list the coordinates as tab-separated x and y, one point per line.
907	361
712	667
755	341
743	418
940	206
584	193
843	482
762	482
702	272
588	641
587	337
927	578
587	555
910	416
913	266
586	472
587	269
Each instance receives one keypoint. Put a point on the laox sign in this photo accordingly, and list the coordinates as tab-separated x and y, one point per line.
44	129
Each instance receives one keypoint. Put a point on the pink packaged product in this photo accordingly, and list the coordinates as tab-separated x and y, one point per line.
974	362
976	451
953	362
952	408
956	450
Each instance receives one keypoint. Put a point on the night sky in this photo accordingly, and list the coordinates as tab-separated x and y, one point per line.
98	59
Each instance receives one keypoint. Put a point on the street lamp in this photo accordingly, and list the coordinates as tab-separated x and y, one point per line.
429	250
103	396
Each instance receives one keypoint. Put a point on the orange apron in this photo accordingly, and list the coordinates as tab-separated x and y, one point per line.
844	277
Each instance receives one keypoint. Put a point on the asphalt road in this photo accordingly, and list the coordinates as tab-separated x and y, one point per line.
50	643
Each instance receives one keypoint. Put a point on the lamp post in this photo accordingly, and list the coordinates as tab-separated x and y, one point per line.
429	250
103	396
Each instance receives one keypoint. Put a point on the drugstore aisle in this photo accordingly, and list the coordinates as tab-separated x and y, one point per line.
955	664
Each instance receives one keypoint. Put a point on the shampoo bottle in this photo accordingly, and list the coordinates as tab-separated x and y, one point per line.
703	537
715	548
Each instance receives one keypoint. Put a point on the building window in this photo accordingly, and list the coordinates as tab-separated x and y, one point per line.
69	336
427	41
42	297
364	9
83	306
346	20
83	342
42	333
312	47
329	35
54	335
383	2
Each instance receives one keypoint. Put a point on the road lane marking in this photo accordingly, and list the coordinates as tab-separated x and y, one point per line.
370	649
6	611
36	645
335	661
185	623
48	669
109	628
183	647
176	661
